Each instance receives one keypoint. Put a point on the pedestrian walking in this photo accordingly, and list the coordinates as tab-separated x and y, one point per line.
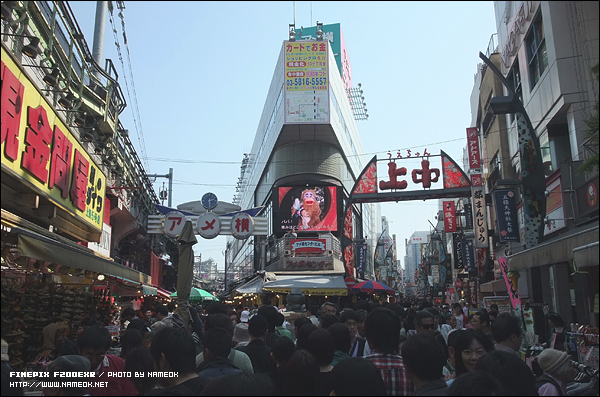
558	371
382	328
357	376
471	345
173	350
513	375
424	358
322	345
507	332
257	349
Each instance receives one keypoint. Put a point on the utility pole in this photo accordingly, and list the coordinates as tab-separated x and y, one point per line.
99	28
170	177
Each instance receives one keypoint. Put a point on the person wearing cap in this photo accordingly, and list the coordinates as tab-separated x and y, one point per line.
241	337
66	386
558	371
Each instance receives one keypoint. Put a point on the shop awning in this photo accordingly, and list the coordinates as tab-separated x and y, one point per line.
40	247
254	286
163	292
314	284
561	249
149	290
493	286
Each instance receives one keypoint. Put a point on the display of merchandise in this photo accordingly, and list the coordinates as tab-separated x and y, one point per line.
38	316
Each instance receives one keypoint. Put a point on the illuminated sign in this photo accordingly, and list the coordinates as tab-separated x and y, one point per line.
307	209
306	82
308	245
41	151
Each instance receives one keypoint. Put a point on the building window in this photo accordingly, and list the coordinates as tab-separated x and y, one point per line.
514	78
537	56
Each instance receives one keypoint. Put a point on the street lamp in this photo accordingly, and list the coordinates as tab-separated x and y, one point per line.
531	175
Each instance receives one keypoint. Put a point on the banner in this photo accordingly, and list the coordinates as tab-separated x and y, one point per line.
449	216
457	252
479	217
506	212
468	255
513	293
468	211
361	258
473	148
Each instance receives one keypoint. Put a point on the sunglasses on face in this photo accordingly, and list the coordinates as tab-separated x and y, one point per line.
427	326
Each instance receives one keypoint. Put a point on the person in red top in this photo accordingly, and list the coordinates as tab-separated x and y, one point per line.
93	343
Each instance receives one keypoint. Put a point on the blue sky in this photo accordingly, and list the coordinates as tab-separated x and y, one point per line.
201	73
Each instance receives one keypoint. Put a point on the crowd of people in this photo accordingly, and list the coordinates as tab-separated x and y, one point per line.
367	349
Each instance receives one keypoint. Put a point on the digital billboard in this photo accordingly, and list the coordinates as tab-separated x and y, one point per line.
307	209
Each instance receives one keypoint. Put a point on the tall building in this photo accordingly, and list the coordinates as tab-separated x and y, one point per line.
546	51
306	156
413	260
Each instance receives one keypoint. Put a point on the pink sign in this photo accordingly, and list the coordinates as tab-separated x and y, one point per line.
513	294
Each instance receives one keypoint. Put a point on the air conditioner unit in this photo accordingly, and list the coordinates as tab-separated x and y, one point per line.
287	253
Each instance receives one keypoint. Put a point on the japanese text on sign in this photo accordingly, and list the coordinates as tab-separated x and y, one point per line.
425	176
39	148
479	217
506	212
473	148
449	216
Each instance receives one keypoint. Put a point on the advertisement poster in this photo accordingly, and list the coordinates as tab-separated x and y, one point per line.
307	209
306	82
503	303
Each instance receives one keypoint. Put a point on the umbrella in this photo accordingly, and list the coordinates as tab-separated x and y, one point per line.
198	294
372	287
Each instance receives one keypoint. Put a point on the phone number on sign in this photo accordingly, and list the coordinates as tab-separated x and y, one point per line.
306	81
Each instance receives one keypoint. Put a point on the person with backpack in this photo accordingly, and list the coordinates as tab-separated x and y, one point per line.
558	371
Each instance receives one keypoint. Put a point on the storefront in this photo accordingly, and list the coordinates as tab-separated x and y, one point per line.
562	273
50	285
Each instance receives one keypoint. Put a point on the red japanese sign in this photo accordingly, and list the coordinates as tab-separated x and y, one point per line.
476	180
424	176
473	148
449	216
38	148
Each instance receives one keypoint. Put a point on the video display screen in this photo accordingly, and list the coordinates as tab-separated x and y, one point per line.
307	209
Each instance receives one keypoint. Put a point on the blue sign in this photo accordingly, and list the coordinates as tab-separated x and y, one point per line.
361	258
506	213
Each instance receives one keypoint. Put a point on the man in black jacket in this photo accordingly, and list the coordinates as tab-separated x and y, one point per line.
257	350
